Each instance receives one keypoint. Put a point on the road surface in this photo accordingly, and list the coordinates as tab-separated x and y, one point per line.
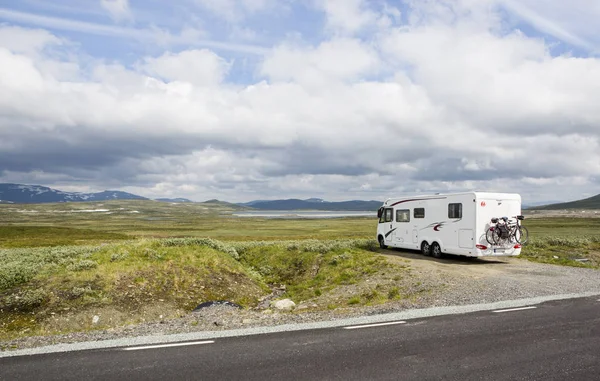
557	340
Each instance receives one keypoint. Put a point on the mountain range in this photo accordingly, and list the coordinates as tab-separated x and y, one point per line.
35	194
587	203
315	204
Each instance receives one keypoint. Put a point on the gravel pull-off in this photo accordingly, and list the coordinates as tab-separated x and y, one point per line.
450	282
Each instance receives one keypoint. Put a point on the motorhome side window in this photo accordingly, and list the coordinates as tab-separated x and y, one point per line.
386	216
419	213
454	210
403	215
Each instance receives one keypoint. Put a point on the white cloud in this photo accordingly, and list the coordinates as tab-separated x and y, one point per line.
574	22
118	9
442	103
348	16
187	36
26	41
198	67
235	11
551	21
340	58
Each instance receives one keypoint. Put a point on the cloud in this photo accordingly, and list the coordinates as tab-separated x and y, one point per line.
187	36
449	100
340	58
118	9
551	21
235	11
198	67
347	16
26	41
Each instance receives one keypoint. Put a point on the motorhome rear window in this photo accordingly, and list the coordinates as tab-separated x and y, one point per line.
403	215
419	213
454	210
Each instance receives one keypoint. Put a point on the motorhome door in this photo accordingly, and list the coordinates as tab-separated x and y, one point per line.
386	219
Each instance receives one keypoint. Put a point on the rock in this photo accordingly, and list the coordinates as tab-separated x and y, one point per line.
216	303
305	306
284	304
247	321
95	319
267	312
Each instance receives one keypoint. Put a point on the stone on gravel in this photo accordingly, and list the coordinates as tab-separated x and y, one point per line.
284	304
95	319
216	303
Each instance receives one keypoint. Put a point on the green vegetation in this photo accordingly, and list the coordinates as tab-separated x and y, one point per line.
564	241
132	261
49	290
39	236
313	268
152	219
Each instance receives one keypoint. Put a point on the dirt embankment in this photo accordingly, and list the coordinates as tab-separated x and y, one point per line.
430	282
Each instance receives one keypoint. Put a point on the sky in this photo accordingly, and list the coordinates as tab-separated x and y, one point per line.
241	100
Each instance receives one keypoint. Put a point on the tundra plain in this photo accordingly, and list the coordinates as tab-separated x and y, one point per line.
134	262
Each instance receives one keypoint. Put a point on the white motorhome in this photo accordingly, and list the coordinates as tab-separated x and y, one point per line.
447	223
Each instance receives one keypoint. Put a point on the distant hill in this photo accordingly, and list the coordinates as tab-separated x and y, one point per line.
178	200
315	204
37	194
588	203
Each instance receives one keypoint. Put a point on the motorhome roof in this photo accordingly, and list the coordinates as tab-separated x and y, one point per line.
477	195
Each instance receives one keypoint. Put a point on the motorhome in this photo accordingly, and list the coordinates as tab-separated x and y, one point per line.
441	224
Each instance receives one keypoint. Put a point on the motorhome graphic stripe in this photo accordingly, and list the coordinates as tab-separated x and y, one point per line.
418	199
390	232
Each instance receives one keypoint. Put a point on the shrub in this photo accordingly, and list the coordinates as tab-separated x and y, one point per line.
78	292
14	274
115	257
25	301
84	264
153	254
213	244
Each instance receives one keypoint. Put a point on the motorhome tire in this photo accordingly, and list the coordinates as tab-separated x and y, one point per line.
381	242
425	249
436	250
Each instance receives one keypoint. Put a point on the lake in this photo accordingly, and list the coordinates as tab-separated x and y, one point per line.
303	214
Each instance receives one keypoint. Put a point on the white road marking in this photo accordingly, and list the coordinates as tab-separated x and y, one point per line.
516	309
374	325
168	345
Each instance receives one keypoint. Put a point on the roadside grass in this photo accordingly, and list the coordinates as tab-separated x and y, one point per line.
45	284
564	241
567	251
309	270
60	289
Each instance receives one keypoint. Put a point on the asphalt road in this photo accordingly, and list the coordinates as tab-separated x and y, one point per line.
557	340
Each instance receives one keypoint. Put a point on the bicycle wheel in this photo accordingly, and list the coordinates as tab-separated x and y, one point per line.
522	235
489	235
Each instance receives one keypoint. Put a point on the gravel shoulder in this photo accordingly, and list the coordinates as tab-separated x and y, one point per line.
436	283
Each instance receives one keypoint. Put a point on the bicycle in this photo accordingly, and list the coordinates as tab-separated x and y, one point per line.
505	230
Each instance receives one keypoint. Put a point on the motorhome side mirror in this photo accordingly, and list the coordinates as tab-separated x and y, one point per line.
379	212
